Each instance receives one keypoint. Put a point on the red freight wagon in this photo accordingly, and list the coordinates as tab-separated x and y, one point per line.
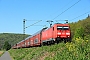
22	43
18	45
31	41
36	40
27	42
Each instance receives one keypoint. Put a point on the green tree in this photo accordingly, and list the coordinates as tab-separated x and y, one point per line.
7	46
79	33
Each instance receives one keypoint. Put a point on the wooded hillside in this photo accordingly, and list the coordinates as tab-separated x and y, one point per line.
81	28
12	38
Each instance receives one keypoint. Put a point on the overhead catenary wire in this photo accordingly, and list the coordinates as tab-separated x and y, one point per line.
66	9
34	23
79	16
61	12
61	20
40	25
61	7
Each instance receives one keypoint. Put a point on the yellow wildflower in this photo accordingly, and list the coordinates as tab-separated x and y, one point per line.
86	40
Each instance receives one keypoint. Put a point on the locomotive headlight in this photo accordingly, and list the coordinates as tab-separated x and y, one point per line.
67	33
68	36
58	33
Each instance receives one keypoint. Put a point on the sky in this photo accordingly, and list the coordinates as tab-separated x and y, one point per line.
37	12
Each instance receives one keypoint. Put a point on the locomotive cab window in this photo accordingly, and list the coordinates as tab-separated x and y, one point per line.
59	27
62	28
65	28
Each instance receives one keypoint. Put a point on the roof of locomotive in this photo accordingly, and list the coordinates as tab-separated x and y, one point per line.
61	24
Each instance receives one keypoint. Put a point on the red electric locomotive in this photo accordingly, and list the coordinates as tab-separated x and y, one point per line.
56	33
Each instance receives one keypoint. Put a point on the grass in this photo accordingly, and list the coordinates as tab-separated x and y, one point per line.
79	49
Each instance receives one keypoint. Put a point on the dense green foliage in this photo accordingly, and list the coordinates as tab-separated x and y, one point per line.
12	38
7	46
81	28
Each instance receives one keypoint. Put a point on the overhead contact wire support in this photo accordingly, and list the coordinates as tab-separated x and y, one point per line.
67	9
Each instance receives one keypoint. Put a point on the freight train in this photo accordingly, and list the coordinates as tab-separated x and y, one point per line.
56	33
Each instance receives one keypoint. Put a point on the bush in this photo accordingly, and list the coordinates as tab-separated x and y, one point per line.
7	46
